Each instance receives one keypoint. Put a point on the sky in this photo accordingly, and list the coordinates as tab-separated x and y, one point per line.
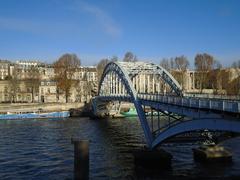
96	29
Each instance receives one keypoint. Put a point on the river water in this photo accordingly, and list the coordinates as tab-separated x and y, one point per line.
42	149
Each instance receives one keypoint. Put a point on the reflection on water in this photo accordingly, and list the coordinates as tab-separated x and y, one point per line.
42	149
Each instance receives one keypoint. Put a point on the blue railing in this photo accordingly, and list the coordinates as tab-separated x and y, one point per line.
213	96
193	102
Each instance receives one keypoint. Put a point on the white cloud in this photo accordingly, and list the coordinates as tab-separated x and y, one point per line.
107	23
50	27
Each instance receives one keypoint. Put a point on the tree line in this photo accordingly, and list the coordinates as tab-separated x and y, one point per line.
67	65
209	73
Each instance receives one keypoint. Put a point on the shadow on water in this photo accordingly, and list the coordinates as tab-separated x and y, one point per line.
125	136
41	149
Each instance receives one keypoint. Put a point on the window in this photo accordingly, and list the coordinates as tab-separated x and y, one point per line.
29	89
28	98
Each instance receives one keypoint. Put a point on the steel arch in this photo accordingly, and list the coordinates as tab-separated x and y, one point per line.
195	125
114	66
126	69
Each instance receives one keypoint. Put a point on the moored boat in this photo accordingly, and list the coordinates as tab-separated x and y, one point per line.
130	113
34	115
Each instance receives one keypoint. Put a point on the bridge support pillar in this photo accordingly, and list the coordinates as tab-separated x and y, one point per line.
144	123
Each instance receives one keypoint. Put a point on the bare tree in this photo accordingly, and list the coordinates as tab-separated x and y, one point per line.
216	77
64	69
100	67
181	64
204	64
168	64
13	84
236	82
87	86
176	66
236	64
130	57
165	64
114	59
33	77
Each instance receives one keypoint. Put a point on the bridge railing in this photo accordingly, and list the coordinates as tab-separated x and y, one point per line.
200	103
118	97
213	96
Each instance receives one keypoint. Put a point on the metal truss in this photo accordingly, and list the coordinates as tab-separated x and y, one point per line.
116	84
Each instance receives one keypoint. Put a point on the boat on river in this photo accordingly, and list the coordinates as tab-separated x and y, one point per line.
34	115
133	112
130	113
212	153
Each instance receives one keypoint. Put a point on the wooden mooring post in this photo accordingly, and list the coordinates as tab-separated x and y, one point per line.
81	159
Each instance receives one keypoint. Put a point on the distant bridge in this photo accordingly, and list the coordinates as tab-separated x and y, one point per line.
150	85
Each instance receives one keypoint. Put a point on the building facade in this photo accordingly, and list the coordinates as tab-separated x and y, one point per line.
4	69
19	84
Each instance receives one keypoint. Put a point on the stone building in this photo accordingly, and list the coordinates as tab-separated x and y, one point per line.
4	69
48	91
20	85
222	78
86	84
15	91
17	86
46	72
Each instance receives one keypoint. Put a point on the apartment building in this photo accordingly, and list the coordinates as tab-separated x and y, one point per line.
21	88
4	69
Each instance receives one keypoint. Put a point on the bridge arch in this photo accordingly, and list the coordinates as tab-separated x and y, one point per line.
196	125
126	69
125	72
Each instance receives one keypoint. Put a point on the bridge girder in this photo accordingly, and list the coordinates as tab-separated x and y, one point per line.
131	69
227	125
125	71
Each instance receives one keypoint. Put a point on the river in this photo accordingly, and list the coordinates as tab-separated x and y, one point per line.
42	149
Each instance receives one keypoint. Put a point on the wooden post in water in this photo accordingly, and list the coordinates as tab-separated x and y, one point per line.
81	159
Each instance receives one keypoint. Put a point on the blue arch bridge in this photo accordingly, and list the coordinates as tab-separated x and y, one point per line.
150	85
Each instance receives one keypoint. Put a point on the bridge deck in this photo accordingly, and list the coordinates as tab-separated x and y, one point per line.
192	102
203	104
124	81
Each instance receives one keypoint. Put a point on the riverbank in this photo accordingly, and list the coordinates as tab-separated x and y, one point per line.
46	107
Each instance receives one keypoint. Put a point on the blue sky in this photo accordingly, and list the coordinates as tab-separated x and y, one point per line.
154	29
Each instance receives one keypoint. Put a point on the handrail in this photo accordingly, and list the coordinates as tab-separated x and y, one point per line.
193	102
